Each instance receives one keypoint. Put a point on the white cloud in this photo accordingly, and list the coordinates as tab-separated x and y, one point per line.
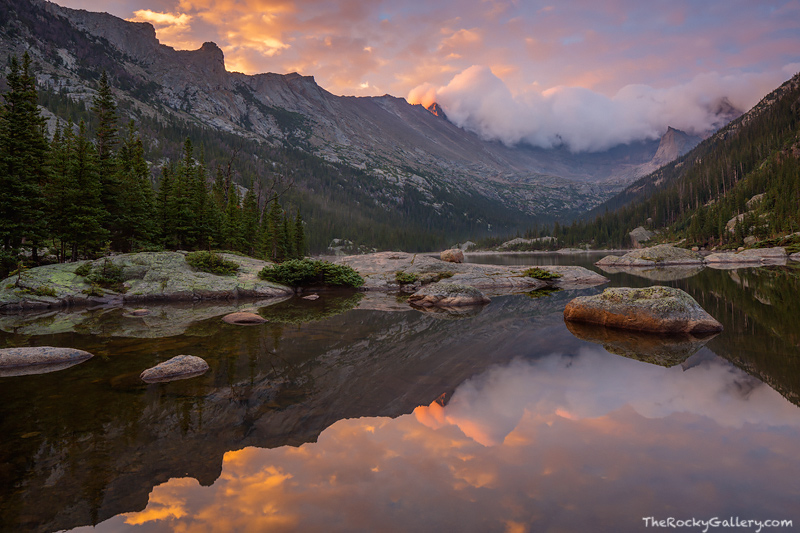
585	120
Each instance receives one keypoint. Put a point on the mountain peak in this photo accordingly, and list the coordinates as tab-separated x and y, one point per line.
437	110
674	143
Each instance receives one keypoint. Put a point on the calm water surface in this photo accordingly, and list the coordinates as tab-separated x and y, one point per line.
355	413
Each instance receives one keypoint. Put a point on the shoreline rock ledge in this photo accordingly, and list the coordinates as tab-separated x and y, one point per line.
660	255
655	309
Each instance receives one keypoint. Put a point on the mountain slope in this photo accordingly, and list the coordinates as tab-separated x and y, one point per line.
702	195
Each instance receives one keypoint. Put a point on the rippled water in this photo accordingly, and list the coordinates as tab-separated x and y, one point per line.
356	413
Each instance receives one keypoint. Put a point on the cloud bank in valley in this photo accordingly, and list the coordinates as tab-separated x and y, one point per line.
585	120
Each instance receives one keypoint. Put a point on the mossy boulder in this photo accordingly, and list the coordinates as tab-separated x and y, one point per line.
656	309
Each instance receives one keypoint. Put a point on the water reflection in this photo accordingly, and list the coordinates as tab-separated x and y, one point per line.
567	442
87	443
664	350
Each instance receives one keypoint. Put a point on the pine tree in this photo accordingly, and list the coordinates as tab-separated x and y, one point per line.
137	199
23	159
104	109
84	213
299	236
250	222
232	222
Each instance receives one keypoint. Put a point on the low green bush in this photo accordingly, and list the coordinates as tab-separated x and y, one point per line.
106	276
298	272
84	270
212	263
538	273
405	278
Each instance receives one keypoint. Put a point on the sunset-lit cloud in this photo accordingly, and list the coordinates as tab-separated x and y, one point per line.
365	47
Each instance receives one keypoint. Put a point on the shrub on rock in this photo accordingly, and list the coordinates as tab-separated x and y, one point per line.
304	272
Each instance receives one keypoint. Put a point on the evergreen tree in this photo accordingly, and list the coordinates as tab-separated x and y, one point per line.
137	200
23	159
232	222
250	222
104	109
84	213
299	236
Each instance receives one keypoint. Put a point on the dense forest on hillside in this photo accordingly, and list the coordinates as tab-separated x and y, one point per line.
77	194
741	183
335	200
696	196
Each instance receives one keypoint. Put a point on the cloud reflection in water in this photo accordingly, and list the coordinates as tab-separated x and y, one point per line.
562	442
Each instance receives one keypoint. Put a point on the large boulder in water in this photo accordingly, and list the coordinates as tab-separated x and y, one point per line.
657	309
179	367
447	295
39	360
454	255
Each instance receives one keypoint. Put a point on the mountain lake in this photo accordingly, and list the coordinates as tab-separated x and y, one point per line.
355	412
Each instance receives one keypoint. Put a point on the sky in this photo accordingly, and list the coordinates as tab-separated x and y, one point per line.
584	73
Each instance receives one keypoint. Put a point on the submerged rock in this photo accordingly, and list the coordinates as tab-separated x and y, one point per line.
656	309
179	367
653	348
39	360
663	254
453	255
244	318
448	295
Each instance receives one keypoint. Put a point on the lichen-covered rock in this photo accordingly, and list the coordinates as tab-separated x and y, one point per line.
755	255
663	254
656	309
179	367
447	295
146	276
39	359
453	255
244	318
